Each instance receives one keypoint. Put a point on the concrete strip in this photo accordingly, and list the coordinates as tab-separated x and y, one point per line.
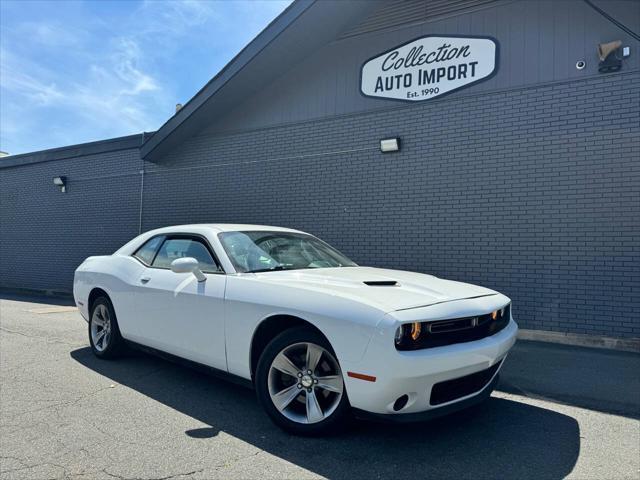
52	309
621	344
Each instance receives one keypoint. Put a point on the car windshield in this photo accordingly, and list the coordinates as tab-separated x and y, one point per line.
265	251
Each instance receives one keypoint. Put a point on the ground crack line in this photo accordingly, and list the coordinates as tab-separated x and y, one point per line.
186	474
29	467
39	337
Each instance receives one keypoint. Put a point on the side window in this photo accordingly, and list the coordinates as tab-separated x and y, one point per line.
146	252
173	248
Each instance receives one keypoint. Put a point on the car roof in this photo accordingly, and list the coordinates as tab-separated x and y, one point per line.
199	229
223	227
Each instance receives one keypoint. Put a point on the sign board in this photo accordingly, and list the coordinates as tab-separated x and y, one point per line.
428	67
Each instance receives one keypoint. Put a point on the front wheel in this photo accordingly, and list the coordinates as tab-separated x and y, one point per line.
299	383
104	334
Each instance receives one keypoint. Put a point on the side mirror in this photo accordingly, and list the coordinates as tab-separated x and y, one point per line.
188	265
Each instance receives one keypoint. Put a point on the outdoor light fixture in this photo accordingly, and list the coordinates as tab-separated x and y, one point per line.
61	182
609	59
389	145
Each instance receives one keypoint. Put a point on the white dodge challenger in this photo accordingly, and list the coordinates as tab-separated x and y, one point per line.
315	334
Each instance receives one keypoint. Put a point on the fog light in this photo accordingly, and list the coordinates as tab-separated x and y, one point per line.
400	403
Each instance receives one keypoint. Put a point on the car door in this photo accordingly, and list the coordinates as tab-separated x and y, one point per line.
176	313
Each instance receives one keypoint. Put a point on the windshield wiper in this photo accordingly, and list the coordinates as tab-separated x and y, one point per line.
272	269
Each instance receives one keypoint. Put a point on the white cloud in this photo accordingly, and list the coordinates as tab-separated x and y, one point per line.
84	76
125	62
186	13
15	78
114	97
50	34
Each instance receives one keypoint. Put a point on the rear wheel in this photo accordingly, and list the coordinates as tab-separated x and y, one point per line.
299	383
104	334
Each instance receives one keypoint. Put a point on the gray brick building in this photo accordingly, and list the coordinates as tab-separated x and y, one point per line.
527	181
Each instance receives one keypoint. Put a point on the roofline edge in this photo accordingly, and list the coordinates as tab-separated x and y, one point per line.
293	11
127	142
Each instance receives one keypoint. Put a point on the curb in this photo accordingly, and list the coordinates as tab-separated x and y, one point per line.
31	292
581	340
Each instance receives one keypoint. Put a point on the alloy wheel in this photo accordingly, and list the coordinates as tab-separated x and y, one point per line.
100	327
305	383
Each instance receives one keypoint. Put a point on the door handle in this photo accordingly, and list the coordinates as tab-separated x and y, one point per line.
144	279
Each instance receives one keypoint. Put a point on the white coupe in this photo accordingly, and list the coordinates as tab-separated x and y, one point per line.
316	335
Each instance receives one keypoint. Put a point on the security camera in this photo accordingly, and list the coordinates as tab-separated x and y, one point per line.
581	64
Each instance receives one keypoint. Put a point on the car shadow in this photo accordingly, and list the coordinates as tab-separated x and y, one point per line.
498	439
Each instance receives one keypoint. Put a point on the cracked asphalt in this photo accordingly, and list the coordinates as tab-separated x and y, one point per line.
558	412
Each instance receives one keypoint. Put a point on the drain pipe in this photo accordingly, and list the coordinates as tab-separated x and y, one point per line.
144	134
141	199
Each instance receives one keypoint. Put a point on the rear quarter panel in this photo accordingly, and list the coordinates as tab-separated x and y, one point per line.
117	275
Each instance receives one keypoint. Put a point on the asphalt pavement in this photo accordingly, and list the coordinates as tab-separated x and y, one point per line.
558	412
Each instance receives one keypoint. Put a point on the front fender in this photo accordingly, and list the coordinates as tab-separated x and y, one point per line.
348	325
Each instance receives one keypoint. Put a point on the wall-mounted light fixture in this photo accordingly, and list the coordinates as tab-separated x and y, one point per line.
389	145
61	182
609	59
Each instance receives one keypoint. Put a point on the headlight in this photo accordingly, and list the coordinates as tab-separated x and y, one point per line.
408	333
416	328
399	335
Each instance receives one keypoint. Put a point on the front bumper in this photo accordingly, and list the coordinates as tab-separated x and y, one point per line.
414	373
434	412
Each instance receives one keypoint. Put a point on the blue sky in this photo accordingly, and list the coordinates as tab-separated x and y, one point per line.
79	71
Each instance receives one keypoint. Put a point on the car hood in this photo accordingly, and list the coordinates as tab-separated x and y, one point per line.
388	290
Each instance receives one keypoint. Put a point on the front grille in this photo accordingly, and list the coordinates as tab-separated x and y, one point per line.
456	330
450	390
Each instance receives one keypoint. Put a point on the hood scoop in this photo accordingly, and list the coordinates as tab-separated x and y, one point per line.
381	283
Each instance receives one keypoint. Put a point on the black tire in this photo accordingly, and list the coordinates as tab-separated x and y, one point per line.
334	422
115	345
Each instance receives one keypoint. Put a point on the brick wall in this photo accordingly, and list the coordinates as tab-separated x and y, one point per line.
46	234
534	192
